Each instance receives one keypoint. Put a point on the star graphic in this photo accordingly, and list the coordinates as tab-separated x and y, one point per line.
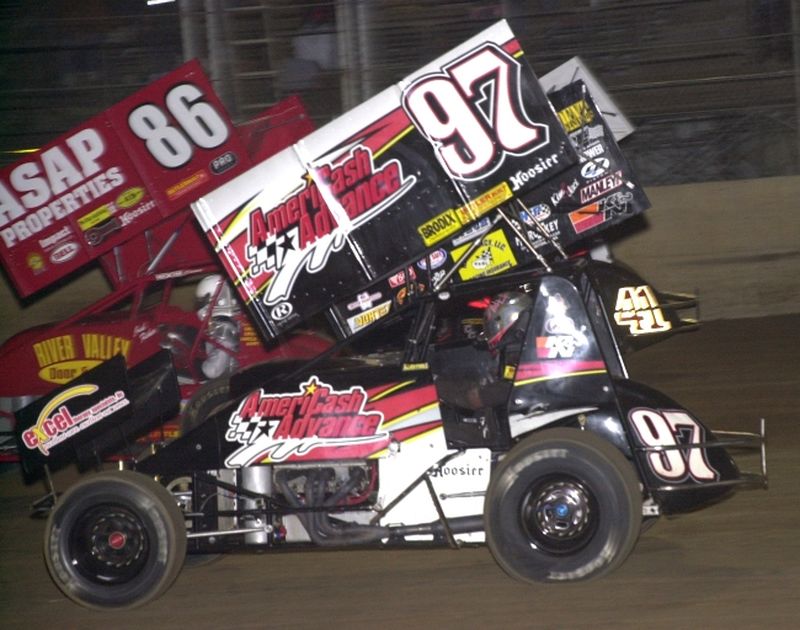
311	386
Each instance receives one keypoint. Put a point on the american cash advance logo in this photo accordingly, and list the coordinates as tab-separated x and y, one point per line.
279	426
305	228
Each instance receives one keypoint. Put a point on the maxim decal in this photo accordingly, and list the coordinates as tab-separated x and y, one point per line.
57	422
305	228
279	426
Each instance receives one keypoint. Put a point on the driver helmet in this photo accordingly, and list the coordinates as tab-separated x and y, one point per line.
225	304
502	313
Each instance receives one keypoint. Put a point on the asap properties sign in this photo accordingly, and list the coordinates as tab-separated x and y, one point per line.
113	176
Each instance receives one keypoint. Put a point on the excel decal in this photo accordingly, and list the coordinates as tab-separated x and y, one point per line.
59	420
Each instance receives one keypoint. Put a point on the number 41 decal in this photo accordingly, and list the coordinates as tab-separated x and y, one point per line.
670	429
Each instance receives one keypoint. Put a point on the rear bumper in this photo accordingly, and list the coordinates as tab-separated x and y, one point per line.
737	448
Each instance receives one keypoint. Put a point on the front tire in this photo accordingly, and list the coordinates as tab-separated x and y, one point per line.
115	540
563	505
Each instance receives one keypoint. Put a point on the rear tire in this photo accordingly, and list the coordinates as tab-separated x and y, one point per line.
115	540
563	505
208	397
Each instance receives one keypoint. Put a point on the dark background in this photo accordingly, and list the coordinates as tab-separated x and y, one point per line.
711	85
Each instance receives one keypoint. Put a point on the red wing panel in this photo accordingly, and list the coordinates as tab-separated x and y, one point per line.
115	175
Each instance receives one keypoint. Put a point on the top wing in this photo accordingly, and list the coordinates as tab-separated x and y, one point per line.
386	183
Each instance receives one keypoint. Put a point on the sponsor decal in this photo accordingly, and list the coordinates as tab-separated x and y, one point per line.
585	218
567	189
638	309
493	256
601	187
196	179
458	471
617	203
98	216
65	357
399	279
129	217
56	238
64	253
305	228
439	227
364	301
437	259
249	336
400	296
362	320
594	150
450	221
520	178
587	135
224	162
143	332
60	246
35	262
472	233
58	422
55	183
560	324
540	212
279	426
592	169
129	198
97	234
414	367
576	116
556	347
281	311
484	202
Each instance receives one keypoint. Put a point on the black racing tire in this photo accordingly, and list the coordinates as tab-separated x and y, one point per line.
208	397
115	540
563	505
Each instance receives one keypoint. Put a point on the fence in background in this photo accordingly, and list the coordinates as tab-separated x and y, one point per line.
712	85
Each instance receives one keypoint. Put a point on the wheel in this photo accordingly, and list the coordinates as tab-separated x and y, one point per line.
115	540
208	396
563	505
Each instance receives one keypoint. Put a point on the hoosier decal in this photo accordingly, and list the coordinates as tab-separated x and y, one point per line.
278	426
313	222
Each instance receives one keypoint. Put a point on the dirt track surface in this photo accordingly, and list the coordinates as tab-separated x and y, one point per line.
734	565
